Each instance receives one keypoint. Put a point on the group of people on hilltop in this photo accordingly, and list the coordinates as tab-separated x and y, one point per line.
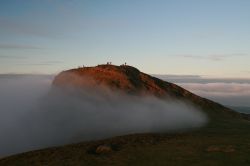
125	64
108	63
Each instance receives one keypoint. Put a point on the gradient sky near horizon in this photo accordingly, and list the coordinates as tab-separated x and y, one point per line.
195	37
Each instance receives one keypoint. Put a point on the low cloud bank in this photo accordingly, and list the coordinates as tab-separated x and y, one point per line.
227	91
33	116
231	94
219	89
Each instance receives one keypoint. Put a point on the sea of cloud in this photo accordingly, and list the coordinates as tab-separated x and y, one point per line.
34	115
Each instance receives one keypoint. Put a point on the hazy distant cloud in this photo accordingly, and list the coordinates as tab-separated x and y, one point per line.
231	94
12	57
177	75
172	76
200	79
43	63
213	57
246	71
53	62
35	64
219	89
18	46
227	91
215	86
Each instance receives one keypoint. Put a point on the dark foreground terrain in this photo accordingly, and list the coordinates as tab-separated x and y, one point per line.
224	143
225	140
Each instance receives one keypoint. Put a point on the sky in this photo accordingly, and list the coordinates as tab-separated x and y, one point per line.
179	37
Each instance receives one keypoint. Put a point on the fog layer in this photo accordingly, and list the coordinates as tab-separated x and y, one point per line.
32	115
230	94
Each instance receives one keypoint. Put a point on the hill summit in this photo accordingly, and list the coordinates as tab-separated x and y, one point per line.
124	78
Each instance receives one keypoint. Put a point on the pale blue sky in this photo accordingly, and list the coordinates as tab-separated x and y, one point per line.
194	37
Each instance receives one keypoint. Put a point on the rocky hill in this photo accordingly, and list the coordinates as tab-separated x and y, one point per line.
130	80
